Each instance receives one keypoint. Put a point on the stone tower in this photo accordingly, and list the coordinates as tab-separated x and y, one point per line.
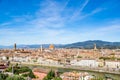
41	48
15	46
95	48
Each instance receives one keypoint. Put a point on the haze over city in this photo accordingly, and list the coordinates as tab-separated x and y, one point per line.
58	21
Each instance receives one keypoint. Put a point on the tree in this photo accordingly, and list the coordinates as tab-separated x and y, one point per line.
97	78
50	75
3	76
15	78
7	58
31	75
21	70
57	78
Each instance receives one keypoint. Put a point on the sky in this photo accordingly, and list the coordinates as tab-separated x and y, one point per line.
58	21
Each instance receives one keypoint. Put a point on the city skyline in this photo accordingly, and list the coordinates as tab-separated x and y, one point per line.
58	22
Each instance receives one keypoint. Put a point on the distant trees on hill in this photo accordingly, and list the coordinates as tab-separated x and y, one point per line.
90	45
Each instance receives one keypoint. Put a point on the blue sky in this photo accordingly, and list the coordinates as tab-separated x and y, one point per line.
58	21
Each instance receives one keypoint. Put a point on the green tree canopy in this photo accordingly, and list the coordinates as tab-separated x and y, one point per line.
51	76
15	77
3	76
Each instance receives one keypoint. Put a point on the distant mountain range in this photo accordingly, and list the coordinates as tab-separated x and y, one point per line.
90	44
86	44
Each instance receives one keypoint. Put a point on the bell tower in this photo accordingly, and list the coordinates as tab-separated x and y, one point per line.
95	48
41	48
15	46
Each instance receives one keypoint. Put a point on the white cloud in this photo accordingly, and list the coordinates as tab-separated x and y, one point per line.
102	31
91	13
79	11
48	24
112	28
5	24
48	18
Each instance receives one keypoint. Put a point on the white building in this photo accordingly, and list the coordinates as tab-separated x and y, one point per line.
89	63
112	64
47	61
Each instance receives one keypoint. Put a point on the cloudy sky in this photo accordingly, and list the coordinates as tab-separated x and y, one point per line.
58	21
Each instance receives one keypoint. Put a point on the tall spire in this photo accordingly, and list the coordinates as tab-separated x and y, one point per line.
15	46
95	48
41	48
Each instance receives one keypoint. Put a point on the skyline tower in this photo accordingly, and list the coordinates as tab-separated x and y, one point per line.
15	46
95	48
41	48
